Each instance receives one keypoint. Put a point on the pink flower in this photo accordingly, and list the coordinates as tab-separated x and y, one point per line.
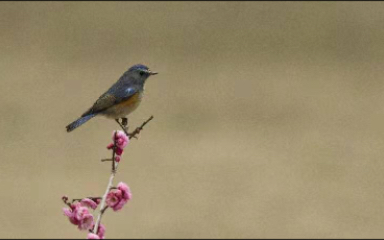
113	198
101	231
119	205
86	202
127	195
122	140
86	223
69	213
92	236
79	215
80	212
119	151
117	198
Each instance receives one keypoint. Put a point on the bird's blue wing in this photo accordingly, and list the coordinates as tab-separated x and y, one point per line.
123	94
113	96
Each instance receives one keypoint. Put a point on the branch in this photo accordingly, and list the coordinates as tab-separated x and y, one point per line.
137	130
103	208
102	204
110	183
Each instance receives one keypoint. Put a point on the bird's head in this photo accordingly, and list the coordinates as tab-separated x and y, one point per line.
141	71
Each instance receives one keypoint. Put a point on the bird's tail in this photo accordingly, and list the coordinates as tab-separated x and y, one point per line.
79	122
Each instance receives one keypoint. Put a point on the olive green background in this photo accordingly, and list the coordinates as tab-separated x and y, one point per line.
269	117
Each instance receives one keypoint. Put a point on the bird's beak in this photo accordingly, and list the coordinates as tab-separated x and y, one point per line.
152	73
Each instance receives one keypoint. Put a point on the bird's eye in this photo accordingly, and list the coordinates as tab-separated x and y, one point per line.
142	73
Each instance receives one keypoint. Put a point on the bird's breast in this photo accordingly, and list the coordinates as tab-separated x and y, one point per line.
125	107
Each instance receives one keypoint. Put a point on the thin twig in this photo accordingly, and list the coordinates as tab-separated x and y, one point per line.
138	129
106	160
79	199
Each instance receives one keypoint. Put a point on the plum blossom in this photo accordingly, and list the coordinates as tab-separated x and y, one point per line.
86	223
122	141
118	197
92	236
101	231
79	215
86	202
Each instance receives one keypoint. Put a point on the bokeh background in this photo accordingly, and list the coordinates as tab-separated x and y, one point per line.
269	117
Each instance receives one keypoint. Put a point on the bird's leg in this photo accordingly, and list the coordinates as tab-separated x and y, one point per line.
124	122
122	127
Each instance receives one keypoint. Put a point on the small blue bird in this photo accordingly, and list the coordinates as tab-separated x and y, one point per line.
121	99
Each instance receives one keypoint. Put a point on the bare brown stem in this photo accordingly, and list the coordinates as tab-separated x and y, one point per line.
138	129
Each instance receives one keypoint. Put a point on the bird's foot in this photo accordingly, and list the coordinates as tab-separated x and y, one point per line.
123	125
124	122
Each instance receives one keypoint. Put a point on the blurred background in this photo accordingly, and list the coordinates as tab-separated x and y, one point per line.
269	118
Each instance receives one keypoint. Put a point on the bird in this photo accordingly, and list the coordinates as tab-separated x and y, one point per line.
121	99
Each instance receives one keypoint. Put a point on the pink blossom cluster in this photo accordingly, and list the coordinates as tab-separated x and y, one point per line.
122	141
118	197
78	211
79	215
